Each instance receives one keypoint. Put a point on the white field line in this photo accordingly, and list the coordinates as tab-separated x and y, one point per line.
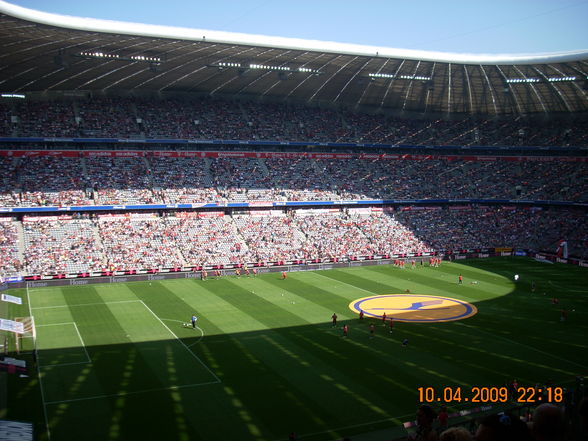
124	394
81	340
39	374
383	420
524	345
197	327
345	283
83	344
46	403
86	304
218	380
563	288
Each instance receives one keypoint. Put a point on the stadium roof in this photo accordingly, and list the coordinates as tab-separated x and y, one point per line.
44	52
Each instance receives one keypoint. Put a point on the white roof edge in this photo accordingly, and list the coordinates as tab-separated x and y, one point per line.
157	31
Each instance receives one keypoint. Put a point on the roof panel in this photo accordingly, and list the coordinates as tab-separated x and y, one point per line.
42	56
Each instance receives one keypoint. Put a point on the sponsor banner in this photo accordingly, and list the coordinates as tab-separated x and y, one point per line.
16	431
114	153
110	217
583	263
139	216
218	154
205	214
361	210
78	282
418	208
260	203
11	326
317	211
186	214
11	299
47	218
503	249
5	219
259	213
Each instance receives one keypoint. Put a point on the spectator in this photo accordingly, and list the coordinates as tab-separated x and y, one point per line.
456	434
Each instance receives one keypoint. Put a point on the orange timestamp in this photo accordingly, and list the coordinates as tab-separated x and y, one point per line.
490	394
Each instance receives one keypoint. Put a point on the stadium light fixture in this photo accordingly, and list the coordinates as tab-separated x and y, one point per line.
229	64
267	67
400	77
523	80
256	66
107	56
13	95
558	79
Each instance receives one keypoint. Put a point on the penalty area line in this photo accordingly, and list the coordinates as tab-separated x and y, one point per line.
563	288
124	394
196	327
218	380
354	426
521	344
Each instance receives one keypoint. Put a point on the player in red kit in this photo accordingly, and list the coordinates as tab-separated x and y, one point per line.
345	330
284	275
334	319
384	319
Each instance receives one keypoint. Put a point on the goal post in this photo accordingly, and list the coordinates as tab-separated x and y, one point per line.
26	342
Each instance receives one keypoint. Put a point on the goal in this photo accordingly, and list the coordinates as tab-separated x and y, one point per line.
27	341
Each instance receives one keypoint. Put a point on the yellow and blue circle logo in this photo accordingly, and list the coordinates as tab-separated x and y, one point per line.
414	308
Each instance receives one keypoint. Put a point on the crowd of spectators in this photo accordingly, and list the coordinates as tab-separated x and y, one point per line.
483	227
240	179
207	118
9	194
272	238
61	246
136	243
10	262
187	239
211	240
182	180
60	181
119	181
50	180
389	235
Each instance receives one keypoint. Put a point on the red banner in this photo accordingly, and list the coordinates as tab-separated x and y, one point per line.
272	155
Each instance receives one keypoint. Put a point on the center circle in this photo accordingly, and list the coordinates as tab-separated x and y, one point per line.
414	308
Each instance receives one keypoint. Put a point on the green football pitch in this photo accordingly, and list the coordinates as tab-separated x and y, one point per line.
117	362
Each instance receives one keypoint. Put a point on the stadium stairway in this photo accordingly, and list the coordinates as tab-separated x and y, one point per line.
207	173
20	241
99	243
263	167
